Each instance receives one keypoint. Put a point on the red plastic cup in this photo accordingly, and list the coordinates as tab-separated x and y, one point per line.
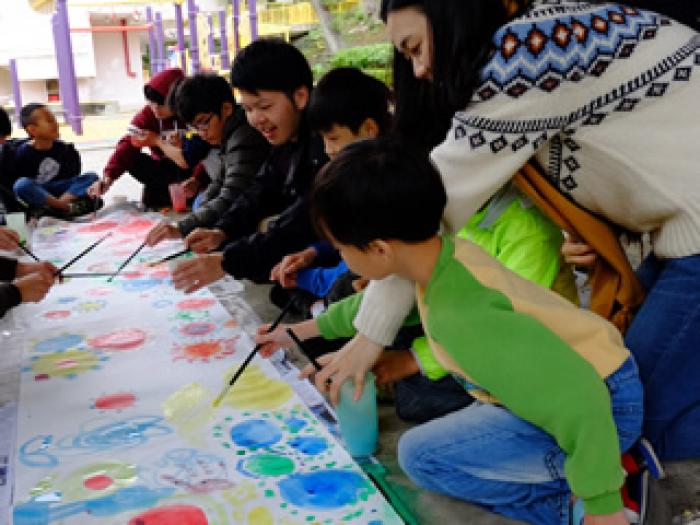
177	196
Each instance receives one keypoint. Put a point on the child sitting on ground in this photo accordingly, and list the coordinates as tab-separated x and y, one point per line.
559	394
205	101
21	282
49	169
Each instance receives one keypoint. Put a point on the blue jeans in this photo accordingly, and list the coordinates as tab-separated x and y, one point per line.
35	194
665	340
487	455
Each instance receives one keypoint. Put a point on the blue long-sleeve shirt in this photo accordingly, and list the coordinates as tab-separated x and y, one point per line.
319	281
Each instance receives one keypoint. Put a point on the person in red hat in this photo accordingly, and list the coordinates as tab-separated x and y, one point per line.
155	121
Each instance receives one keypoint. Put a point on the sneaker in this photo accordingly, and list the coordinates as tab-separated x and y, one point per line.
635	490
647	458
83	206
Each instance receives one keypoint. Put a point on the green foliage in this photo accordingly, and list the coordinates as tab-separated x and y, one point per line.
375	56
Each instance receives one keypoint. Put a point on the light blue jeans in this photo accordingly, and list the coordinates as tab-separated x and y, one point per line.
486	455
35	194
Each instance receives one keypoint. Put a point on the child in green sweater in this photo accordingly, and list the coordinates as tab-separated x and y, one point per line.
558	394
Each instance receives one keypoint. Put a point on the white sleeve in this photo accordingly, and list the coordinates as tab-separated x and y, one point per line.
385	306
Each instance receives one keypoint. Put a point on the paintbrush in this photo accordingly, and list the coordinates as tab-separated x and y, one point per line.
81	254
79	275
170	257
128	260
250	357
28	251
307	354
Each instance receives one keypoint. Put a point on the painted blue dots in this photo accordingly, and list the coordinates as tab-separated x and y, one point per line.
255	433
329	489
295	424
310	445
58	344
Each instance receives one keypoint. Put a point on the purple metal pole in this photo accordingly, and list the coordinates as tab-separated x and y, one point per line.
67	81
180	37
253	16
236	23
160	42
16	93
224	40
194	46
151	41
210	40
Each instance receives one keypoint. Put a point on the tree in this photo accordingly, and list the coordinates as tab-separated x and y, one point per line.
333	39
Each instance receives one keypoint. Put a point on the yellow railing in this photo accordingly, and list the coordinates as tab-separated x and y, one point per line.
300	13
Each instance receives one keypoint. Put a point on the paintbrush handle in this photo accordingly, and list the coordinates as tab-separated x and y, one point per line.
28	252
79	275
301	346
170	257
81	254
128	260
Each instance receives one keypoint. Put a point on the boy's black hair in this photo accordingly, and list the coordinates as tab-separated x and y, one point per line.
347	97
271	64
153	96
5	124
201	93
25	115
378	189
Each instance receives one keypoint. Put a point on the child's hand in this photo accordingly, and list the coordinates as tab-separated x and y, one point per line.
161	231
204	240
394	365
145	138
618	518
192	274
8	238
33	287
285	272
577	252
99	187
273	341
191	187
44	268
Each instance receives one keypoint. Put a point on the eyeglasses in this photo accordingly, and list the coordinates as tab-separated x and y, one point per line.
202	125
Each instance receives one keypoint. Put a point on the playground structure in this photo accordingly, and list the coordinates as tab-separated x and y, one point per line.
203	40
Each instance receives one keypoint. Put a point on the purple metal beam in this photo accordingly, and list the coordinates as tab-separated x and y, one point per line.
67	81
151	41
194	46
16	93
160	42
224	40
210	40
180	37
236	24
253	16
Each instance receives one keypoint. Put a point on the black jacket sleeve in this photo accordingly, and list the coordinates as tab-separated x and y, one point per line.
70	164
9	293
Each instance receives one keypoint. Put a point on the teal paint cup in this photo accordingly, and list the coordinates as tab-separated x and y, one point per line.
358	421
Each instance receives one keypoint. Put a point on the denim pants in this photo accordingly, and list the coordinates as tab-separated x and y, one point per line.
35	194
665	340
487	455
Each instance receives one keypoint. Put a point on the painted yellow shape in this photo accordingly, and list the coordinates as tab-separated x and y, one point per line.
239	497
257	391
68	363
188	411
260	516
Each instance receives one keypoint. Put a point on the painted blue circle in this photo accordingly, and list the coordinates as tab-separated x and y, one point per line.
310	445
66	300
325	489
58	344
255	433
295	424
139	285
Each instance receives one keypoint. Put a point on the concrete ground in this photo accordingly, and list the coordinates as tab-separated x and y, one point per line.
678	495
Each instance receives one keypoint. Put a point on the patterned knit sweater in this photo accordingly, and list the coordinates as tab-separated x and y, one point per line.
608	100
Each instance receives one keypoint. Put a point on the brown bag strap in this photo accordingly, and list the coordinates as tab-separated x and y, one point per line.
615	290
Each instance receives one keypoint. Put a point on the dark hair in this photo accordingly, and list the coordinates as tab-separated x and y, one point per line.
347	97
201	93
5	124
378	189
462	32
153	96
25	115
271	64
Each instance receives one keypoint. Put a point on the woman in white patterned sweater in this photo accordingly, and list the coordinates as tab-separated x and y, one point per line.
607	99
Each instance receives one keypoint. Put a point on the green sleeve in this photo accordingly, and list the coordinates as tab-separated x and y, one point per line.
529	244
337	320
535	375
426	359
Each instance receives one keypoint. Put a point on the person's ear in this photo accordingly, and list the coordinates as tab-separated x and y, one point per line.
301	97
381	249
226	110
369	129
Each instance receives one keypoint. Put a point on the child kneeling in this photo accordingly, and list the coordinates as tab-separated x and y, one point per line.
558	395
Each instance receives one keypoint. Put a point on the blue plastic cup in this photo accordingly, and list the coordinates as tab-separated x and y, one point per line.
358	421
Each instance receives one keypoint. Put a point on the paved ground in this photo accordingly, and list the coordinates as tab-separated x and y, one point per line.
679	493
